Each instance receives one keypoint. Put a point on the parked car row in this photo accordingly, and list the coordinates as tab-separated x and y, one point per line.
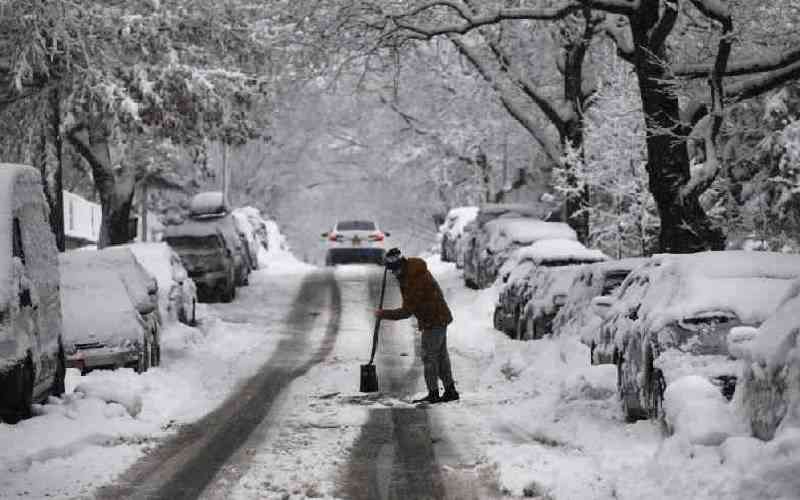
732	317
49	314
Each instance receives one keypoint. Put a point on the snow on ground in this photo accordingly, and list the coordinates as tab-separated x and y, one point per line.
535	418
107	419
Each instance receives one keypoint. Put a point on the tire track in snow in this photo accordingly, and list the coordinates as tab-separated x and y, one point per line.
184	465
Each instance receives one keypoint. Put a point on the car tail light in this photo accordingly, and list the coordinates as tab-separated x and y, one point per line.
376	237
335	237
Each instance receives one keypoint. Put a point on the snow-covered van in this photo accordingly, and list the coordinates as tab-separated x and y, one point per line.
32	363
209	208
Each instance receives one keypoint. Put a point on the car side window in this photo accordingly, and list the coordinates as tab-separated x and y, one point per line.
17	248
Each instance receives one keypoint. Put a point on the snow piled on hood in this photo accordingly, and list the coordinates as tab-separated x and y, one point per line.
457	219
507	231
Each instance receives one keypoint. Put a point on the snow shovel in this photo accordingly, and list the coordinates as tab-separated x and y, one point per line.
369	376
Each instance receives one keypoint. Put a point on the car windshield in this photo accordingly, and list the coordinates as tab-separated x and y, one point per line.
612	281
210	241
355	225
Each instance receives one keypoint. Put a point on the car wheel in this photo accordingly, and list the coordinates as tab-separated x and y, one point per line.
627	386
58	387
156	349
656	385
520	331
229	293
144	357
496	322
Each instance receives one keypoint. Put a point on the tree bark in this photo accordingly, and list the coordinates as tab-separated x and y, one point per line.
115	186
685	227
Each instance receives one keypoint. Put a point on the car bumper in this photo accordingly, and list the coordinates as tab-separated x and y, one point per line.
355	255
210	280
99	357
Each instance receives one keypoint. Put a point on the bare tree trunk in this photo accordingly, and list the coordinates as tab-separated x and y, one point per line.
143	210
115	187
57	209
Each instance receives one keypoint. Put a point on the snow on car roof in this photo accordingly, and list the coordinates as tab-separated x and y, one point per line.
558	249
524	231
210	202
157	259
626	264
748	284
86	282
192	228
458	218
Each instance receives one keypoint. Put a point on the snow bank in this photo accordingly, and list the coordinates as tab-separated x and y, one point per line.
113	390
694	408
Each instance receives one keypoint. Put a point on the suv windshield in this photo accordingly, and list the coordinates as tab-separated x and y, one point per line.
355	225
211	241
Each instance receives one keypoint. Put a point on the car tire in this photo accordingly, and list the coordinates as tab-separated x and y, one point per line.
144	357
520	329
498	325
229	293
628	390
59	381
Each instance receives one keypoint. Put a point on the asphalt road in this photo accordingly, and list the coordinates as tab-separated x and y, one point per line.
183	466
394	457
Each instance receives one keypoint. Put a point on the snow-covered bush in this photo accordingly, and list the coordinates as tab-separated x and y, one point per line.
768	393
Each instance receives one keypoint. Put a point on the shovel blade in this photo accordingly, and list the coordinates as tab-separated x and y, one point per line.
369	378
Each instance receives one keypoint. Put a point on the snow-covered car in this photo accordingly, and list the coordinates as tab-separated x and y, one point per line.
673	314
206	257
452	229
355	241
209	208
32	362
177	293
102	327
768	393
499	230
577	317
247	235
535	280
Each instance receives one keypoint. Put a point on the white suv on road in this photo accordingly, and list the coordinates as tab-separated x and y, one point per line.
355	241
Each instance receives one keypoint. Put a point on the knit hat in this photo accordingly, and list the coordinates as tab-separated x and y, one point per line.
394	259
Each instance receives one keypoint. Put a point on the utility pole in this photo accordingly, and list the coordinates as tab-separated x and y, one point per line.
225	174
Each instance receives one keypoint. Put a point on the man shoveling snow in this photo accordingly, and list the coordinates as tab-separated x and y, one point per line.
423	298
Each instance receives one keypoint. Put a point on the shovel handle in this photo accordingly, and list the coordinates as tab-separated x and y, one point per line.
378	320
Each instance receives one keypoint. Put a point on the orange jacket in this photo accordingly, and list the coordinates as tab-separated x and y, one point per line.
422	297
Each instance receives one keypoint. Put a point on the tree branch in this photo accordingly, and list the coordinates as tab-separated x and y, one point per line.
513	108
660	32
744	67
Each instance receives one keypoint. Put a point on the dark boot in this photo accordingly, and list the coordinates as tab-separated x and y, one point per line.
450	394
432	397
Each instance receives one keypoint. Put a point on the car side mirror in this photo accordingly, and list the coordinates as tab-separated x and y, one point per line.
601	305
387	234
739	341
325	235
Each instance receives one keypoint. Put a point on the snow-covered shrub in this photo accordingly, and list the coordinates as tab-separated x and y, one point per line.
695	409
768	393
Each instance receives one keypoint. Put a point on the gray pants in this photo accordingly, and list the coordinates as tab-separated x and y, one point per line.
436	359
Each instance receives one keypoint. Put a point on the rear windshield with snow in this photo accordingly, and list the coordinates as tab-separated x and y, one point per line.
356	225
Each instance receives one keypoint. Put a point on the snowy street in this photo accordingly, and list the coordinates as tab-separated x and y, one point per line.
262	401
